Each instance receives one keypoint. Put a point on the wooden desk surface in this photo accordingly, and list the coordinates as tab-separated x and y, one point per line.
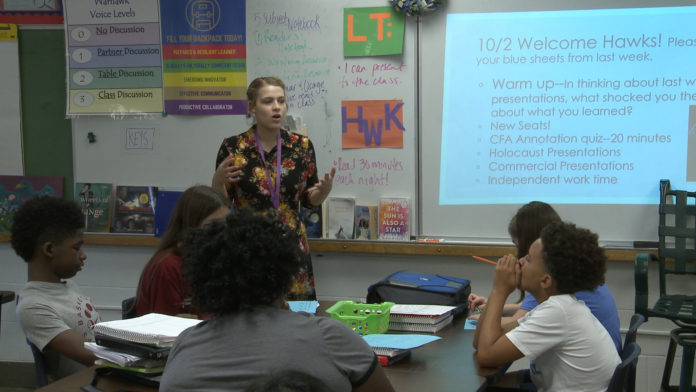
448	364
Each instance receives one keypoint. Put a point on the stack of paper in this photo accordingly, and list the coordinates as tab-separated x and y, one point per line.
125	360
420	318
154	328
139	345
393	347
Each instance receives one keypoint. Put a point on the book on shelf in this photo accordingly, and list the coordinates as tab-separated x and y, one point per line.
420	327
154	328
95	199
166	201
312	219
394	219
341	212
127	347
134	209
366	218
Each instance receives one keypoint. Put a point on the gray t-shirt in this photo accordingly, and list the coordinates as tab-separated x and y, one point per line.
230	352
45	310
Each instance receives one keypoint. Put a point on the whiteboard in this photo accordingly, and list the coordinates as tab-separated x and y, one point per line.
301	42
616	224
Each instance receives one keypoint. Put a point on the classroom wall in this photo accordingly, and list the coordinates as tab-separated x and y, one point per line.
111	274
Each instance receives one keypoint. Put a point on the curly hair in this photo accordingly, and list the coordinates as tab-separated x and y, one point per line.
44	219
245	261
527	223
573	257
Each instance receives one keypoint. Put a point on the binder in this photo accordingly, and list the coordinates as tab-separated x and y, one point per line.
141	350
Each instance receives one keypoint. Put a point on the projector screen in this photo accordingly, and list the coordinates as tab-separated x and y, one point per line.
585	107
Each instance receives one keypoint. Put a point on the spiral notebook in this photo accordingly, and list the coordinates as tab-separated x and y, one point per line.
419	318
154	328
420	327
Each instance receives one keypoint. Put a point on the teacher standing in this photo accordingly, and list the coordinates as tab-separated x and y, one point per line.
248	164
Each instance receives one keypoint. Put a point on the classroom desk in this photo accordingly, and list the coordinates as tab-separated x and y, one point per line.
448	364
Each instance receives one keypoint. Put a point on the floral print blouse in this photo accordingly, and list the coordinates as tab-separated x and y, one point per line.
298	173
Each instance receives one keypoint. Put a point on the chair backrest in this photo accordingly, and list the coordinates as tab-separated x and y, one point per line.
676	233
629	360
39	365
128	308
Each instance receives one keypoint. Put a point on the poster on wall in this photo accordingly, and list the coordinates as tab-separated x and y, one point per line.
372	31
113	57
16	190
204	56
31	12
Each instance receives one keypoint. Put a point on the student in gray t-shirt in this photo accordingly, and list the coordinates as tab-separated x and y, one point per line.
240	271
55	316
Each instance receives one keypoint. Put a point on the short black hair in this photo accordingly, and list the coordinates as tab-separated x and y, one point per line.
288	381
44	219
573	257
248	260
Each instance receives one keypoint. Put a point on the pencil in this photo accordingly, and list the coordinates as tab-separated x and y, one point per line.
484	260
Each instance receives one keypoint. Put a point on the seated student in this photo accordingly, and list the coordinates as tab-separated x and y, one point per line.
54	315
240	271
288	381
568	348
524	228
161	289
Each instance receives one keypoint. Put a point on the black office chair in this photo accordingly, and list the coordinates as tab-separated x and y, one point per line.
622	374
636	321
128	308
39	365
676	255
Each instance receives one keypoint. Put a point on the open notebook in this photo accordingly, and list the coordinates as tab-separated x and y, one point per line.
154	328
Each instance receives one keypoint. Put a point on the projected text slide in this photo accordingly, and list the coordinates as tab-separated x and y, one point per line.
584	106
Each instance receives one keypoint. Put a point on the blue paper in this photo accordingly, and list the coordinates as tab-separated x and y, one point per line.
399	341
470	324
304	306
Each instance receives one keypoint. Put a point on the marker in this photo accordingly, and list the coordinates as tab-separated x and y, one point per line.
431	240
484	260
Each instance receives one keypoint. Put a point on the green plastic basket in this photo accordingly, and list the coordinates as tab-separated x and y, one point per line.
363	318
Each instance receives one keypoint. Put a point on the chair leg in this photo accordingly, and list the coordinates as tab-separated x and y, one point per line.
669	361
687	369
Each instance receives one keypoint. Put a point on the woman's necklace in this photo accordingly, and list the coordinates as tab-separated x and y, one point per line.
274	190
